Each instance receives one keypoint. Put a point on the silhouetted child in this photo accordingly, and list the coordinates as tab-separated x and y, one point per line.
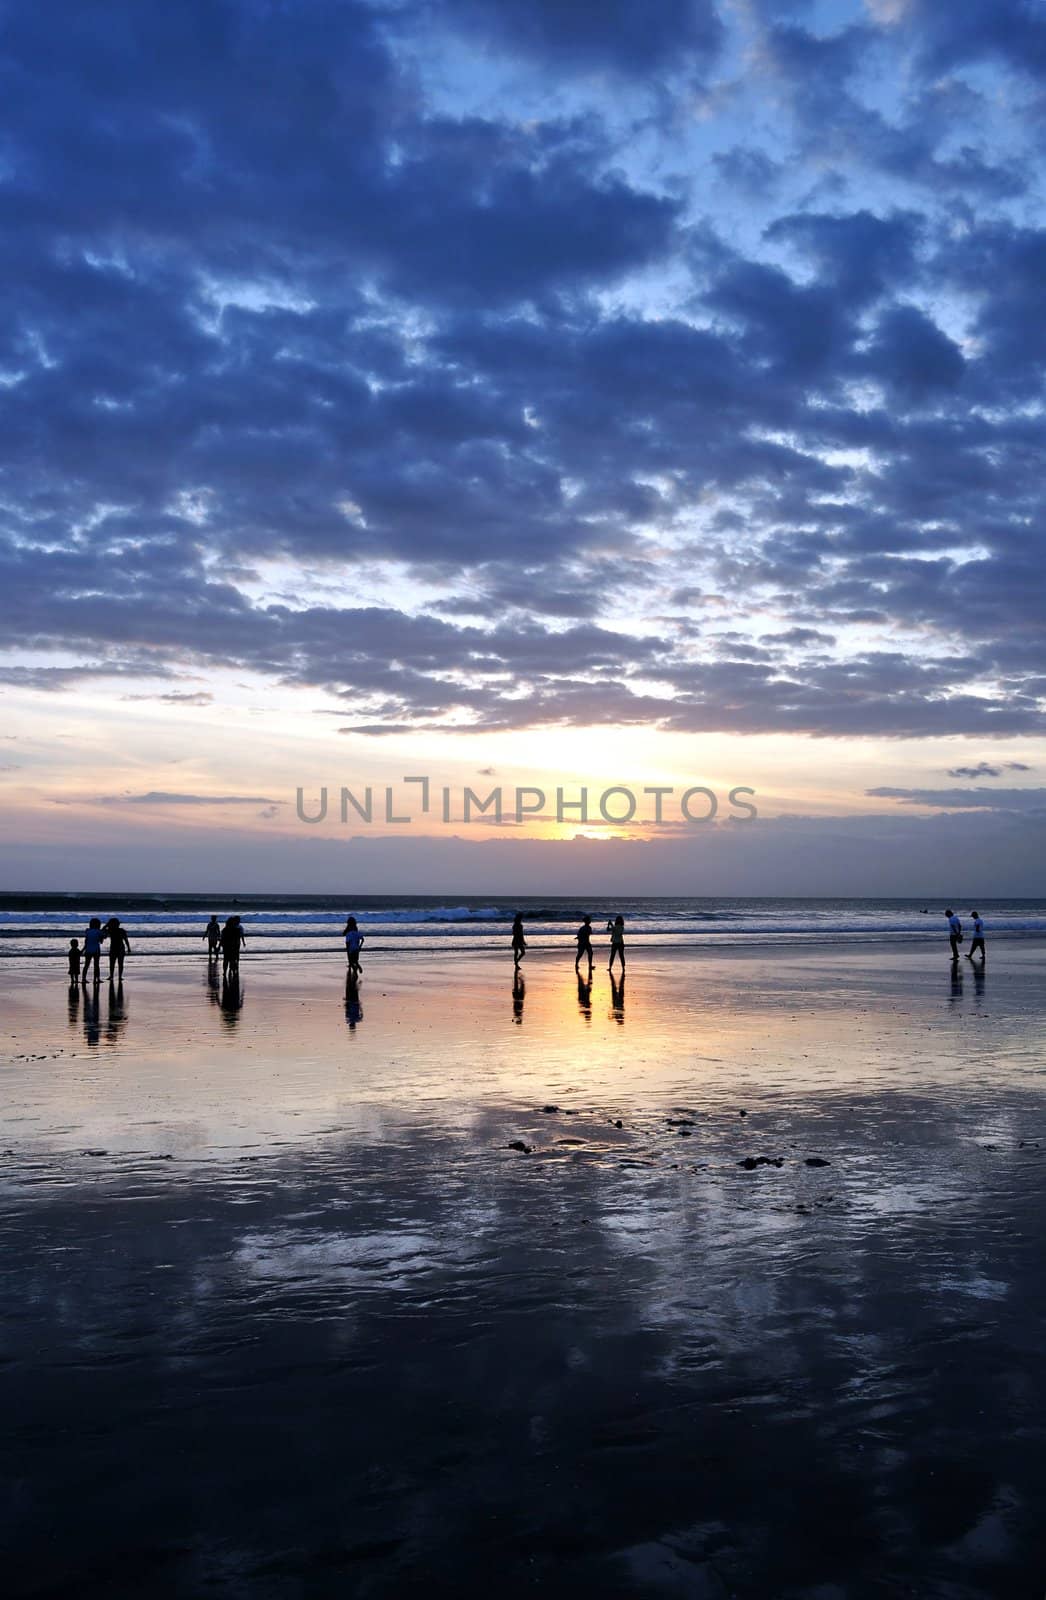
353	944
213	934
519	943
74	960
616	930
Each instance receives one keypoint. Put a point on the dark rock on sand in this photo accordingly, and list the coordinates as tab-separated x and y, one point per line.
751	1162
517	1144
681	1122
817	1161
550	1110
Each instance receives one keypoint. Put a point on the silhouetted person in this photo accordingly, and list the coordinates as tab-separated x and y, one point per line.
353	1009
954	932
977	942
584	944
519	991
74	960
233	940
119	946
353	944
584	993
617	997
616	930
93	949
213	934
519	943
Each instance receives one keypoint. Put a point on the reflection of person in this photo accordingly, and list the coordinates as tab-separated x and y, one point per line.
74	960
617	997
92	1028
231	1001
353	1009
213	934
519	990
584	994
93	948
954	932
519	943
117	1015
584	942
616	930
119	946
353	944
977	942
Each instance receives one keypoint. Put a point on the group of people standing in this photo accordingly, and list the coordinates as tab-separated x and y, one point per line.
91	952
583	938
227	940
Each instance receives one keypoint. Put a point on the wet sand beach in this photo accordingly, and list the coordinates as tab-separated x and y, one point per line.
727	1282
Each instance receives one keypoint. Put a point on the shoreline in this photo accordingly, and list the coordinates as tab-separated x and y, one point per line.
732	944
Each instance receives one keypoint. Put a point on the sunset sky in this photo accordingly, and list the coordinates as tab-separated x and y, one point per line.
515	392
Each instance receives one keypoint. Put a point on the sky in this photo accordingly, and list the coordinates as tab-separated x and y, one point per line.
523	393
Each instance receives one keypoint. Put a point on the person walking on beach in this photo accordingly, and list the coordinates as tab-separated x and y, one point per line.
74	960
233	939
584	944
119	946
954	932
616	930
353	944
519	943
977	942
213	934
93	949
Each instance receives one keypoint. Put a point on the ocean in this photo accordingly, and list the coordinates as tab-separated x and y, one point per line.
172	926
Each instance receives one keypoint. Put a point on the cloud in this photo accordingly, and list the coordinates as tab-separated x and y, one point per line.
984	769
626	37
1018	800
156	797
199	698
319	299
